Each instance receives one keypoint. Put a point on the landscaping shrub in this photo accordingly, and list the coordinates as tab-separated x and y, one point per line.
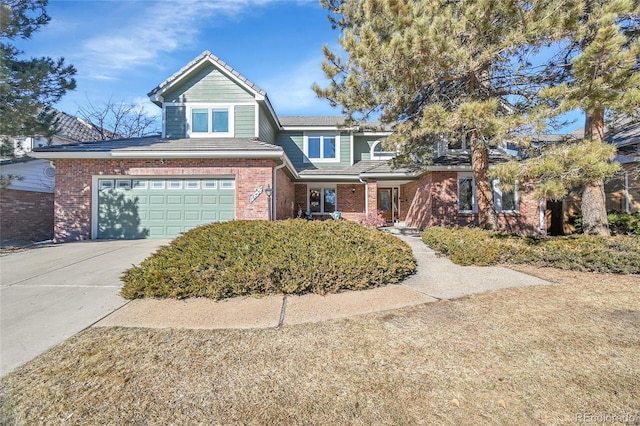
296	256
620	223
473	246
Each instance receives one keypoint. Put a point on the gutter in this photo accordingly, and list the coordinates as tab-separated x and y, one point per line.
122	155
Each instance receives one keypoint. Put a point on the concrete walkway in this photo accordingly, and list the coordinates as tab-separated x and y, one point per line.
50	292
436	278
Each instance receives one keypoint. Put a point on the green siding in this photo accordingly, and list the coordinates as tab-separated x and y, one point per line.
292	143
244	121
362	147
267	126
345	149
175	122
208	84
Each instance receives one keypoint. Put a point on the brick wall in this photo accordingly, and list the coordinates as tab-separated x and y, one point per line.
351	201
285	197
25	216
300	202
72	217
435	203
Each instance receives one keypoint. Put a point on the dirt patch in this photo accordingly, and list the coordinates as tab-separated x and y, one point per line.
534	355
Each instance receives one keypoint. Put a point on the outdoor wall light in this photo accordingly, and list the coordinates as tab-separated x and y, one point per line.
353	190
268	191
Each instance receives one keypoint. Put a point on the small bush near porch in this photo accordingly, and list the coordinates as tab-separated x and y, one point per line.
239	258
473	246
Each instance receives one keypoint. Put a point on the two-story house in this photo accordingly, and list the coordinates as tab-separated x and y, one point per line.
225	154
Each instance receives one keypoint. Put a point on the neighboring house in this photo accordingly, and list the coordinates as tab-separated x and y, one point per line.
623	191
225	154
26	203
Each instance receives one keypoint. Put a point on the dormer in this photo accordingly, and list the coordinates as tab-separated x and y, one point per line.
207	98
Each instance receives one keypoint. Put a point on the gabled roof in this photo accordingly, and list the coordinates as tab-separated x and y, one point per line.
629	135
200	59
206	56
75	129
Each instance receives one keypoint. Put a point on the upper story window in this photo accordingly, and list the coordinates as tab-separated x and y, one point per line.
379	152
211	121
321	147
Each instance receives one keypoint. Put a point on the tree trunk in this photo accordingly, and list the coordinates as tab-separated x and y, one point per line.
594	209
480	163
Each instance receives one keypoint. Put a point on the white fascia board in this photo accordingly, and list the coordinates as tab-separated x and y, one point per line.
456	168
327	178
318	129
374	133
57	155
389	175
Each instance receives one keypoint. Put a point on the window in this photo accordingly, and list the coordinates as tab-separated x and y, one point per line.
209	184
505	200
466	192
379	152
321	148
174	184
140	184
192	184
211	121
227	183
123	184
322	200
199	120
220	122
105	184
157	184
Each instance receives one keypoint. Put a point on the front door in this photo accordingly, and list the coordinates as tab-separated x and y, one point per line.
385	203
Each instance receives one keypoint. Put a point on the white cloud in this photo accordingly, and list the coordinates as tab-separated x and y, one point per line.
159	28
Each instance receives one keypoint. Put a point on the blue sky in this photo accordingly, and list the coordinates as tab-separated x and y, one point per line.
124	49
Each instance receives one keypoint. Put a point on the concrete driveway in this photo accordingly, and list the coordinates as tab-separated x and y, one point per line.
49	293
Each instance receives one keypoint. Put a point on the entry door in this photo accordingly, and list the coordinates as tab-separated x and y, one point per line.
385	203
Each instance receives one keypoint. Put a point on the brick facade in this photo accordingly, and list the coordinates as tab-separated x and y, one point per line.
435	203
25	216
72	218
350	199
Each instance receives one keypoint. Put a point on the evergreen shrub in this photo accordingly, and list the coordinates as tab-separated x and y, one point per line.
238	258
473	246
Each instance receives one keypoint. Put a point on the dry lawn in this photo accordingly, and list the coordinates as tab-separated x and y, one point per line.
526	356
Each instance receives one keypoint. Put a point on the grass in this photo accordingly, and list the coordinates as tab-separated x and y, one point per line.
473	246
239	258
526	356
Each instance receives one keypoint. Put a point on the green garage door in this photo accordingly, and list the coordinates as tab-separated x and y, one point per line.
161	208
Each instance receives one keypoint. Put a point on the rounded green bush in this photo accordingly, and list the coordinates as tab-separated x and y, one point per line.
474	246
236	258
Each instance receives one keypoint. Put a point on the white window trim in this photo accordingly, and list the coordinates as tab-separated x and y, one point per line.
382	155
322	188
497	197
210	133
305	147
474	202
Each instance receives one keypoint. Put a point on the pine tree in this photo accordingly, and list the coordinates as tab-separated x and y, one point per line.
28	87
439	69
596	69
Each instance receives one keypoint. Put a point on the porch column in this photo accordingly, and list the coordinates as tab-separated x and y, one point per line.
372	196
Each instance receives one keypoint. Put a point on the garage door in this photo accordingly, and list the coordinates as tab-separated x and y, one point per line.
161	208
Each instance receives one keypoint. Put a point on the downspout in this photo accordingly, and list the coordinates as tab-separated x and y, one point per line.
274	208
626	191
366	196
542	219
